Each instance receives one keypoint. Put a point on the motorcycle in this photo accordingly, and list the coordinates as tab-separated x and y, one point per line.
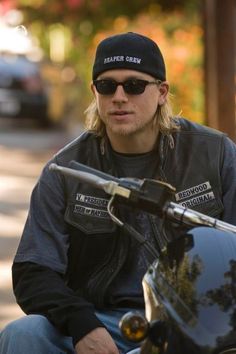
190	290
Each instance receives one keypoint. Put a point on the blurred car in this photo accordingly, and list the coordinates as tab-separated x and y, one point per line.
22	90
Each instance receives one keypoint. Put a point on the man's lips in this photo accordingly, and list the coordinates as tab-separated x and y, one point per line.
120	113
120	116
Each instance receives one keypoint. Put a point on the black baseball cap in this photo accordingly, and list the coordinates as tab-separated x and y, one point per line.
129	51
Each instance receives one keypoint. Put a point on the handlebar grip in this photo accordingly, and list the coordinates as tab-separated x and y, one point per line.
84	168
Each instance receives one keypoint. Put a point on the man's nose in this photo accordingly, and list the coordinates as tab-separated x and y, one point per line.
119	94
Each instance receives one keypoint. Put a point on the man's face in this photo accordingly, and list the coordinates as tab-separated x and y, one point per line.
126	114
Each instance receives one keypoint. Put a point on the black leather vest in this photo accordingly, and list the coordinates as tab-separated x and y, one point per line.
98	247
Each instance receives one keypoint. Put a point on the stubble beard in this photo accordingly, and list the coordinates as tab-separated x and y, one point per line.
138	127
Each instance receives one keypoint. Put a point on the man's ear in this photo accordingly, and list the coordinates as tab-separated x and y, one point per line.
164	90
92	87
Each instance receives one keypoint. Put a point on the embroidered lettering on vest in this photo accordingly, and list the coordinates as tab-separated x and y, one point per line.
90	211
195	190
201	199
87	199
91	206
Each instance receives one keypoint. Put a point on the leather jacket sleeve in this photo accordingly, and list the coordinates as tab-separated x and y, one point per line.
40	290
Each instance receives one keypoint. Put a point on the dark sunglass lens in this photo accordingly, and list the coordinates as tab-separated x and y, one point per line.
105	87
135	87
131	86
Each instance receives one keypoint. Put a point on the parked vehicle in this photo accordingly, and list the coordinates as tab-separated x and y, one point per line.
22	90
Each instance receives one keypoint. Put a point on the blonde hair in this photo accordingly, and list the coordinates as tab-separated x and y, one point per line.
164	118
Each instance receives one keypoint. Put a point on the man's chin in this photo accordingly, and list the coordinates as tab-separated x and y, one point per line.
122	131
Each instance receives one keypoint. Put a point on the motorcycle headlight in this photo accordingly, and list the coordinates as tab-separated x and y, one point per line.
134	326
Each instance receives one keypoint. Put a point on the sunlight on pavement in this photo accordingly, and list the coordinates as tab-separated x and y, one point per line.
9	313
9	308
10	227
5	274
28	167
20	188
12	311
14	197
23	155
16	184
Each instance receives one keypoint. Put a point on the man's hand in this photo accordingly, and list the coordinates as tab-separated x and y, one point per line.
98	341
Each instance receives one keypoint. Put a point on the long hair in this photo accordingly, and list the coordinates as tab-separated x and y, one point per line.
163	118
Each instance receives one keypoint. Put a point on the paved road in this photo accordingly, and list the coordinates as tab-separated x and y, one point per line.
23	151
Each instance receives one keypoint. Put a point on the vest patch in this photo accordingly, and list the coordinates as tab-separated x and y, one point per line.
88	205
201	199
91	200
90	211
195	190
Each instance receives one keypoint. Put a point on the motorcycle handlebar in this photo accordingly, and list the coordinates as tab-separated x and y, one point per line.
149	195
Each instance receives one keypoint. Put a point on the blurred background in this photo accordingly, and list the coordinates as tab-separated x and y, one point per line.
46	55
54	43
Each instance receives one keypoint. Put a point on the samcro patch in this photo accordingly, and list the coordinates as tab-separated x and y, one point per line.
91	206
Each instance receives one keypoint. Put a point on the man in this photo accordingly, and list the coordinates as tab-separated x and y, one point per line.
75	272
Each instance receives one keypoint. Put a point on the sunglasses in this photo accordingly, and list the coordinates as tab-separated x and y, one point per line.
130	86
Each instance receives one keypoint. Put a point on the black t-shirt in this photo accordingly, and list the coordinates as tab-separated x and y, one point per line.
128	283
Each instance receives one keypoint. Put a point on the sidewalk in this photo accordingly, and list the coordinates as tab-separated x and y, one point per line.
23	154
18	175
